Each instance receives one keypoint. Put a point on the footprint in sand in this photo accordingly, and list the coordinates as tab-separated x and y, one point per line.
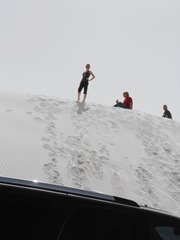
9	110
29	113
52	172
38	119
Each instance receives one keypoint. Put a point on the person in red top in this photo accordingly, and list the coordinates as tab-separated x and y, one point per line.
127	103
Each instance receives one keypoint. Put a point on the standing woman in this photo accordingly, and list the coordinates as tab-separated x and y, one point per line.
85	81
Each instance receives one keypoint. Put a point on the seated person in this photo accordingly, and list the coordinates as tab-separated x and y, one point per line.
127	103
167	113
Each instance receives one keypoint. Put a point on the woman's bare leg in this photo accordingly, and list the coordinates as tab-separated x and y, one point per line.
84	98
79	96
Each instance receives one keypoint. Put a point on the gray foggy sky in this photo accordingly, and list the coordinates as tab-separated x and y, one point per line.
132	45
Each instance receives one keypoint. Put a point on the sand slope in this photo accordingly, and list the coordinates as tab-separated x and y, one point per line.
121	152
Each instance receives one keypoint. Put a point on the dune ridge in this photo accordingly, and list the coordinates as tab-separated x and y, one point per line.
90	146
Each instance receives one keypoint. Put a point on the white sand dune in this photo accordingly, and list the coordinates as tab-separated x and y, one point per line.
111	150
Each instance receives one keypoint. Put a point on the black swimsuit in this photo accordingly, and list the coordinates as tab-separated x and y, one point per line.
84	82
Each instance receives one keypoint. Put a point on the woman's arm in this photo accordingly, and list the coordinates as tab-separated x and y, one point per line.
131	105
92	77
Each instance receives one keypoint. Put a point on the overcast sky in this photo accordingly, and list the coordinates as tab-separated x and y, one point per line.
132	45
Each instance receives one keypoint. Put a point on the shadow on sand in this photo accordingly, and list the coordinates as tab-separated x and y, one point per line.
81	107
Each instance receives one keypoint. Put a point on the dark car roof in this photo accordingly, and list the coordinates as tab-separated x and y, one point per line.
67	190
73	191
159	212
